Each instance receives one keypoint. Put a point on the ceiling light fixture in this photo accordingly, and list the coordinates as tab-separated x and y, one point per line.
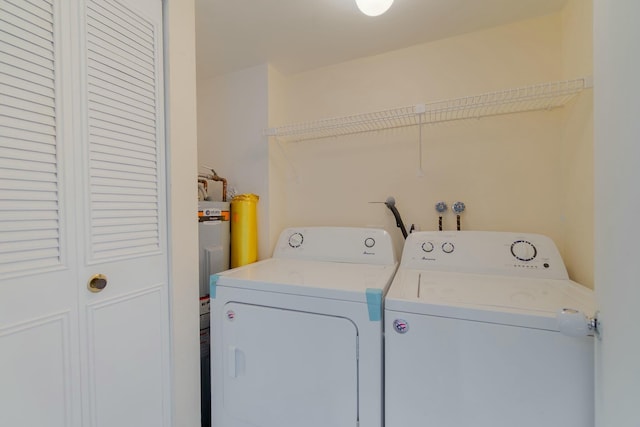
374	7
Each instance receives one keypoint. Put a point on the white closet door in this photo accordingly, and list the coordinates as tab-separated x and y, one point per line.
82	192
39	375
125	339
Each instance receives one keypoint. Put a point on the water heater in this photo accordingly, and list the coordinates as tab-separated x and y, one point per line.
213	248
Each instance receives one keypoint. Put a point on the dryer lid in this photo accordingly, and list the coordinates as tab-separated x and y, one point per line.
342	281
515	301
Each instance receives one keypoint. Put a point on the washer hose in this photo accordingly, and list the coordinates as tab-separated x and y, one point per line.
391	204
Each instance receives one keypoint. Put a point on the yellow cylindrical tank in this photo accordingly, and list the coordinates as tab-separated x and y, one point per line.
244	229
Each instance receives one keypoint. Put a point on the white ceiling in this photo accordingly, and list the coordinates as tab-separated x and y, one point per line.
298	35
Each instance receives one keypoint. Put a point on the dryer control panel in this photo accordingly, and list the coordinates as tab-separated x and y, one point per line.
484	252
337	244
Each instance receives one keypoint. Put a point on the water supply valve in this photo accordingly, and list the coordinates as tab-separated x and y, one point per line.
458	208
441	208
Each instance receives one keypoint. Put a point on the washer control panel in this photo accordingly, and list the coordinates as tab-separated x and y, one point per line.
337	244
484	252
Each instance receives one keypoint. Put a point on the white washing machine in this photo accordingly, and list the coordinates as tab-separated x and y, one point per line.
297	338
472	335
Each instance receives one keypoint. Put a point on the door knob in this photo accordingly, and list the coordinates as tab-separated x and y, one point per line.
97	282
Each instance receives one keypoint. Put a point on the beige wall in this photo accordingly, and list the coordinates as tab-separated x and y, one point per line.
181	162
510	171
517	54
232	114
279	170
577	145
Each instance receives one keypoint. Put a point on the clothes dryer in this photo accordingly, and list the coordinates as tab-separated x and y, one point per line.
472	336
297	338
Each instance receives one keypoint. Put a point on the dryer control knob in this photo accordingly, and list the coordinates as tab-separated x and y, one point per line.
427	246
447	247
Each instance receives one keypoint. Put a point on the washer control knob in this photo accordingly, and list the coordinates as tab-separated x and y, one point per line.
447	247
295	240
427	246
369	242
523	250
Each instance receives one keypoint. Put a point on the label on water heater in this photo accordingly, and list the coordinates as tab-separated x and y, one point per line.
212	214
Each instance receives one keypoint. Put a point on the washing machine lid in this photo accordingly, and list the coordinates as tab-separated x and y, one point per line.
334	280
514	301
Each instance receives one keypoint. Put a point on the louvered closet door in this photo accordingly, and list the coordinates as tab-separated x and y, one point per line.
82	193
39	366
125	335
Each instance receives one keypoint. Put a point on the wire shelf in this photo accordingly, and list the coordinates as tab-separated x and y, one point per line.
546	96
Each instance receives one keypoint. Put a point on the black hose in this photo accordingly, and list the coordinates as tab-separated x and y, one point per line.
391	204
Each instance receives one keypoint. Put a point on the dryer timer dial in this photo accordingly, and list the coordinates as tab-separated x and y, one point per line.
295	240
